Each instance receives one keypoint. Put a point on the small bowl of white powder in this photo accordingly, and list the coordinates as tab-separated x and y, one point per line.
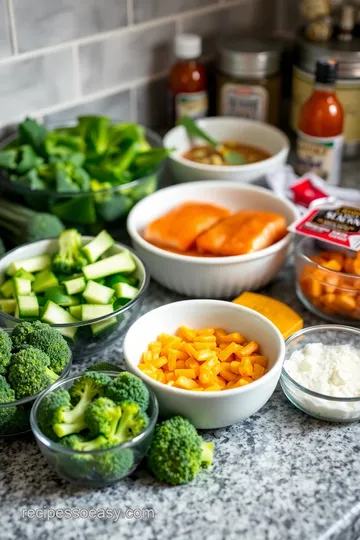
321	372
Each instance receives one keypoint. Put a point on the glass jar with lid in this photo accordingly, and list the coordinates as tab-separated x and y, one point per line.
248	79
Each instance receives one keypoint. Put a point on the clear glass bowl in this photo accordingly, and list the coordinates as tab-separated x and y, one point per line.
334	296
87	211
87	468
18	421
334	409
84	343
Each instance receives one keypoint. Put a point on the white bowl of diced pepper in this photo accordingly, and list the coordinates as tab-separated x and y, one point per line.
89	288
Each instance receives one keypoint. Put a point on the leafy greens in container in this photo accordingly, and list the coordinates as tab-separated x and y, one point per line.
94	171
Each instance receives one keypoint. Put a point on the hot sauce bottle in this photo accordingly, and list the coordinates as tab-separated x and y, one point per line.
320	131
187	79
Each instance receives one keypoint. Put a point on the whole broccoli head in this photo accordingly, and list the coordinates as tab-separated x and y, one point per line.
104	366
5	351
128	387
70	418
21	333
177	452
50	341
29	372
50	410
102	417
69	258
7	395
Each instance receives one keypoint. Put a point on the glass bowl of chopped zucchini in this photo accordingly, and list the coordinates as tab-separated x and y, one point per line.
33	356
95	428
87	173
89	288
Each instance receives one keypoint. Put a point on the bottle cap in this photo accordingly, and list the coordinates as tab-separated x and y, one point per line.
187	46
326	71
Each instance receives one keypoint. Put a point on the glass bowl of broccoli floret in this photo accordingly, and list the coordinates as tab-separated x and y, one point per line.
25	371
88	433
88	172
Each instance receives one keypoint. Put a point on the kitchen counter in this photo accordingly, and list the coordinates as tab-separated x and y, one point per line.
280	475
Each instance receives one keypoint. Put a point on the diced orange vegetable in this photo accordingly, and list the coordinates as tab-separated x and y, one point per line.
180	364
249	349
206	332
230	349
234	337
260	360
187	333
159	362
246	367
190	373
258	371
186	383
172	360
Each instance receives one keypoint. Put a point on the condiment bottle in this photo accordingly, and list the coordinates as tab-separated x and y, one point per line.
320	130
187	79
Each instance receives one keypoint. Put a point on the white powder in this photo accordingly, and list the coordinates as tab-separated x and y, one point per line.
329	370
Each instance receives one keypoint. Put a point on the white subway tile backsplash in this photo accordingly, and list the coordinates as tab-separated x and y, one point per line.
146	10
27	86
5	45
130	55
115	106
41	23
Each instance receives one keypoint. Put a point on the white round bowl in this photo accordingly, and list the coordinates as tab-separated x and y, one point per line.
225	129
210	277
208	410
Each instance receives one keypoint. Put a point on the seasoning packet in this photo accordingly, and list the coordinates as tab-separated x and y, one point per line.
333	221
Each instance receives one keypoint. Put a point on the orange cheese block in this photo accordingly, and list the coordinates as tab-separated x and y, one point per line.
243	232
284	318
178	229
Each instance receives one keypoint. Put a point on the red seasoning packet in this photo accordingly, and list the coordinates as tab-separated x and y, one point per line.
333	221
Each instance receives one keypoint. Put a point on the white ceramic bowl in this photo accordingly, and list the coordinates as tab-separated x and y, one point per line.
210	277
208	410
225	129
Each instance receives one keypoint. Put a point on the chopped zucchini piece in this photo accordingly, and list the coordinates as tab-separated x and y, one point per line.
122	262
94	311
123	290
8	305
22	286
101	243
24	274
44	280
7	289
117	278
98	327
33	264
28	306
59	297
75	311
54	314
97	294
75	286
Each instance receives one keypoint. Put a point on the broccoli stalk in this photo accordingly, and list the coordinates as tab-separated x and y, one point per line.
69	259
177	453
69	419
21	225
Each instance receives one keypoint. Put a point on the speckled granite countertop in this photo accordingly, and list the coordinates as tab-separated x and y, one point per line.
280	475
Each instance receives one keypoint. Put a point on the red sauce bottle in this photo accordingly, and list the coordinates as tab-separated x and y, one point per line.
187	79
321	122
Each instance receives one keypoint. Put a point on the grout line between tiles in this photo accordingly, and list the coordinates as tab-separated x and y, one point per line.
13	36
130	12
115	33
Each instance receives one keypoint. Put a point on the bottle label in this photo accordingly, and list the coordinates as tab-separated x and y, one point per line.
321	155
193	104
245	101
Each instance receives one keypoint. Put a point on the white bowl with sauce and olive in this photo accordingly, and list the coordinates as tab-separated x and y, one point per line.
263	147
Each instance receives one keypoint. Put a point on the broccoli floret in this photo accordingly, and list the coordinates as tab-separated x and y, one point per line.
128	387
21	333
71	419
102	417
53	344
77	465
177	452
104	366
29	372
7	395
132	422
114	464
50	409
83	444
5	351
69	258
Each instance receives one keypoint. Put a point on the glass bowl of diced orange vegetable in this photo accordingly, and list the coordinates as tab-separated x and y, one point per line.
328	281
214	362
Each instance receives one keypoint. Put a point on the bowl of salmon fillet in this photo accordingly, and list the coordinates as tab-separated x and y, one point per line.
212	239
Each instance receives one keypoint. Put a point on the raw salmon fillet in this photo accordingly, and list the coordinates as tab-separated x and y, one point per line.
178	229
243	232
